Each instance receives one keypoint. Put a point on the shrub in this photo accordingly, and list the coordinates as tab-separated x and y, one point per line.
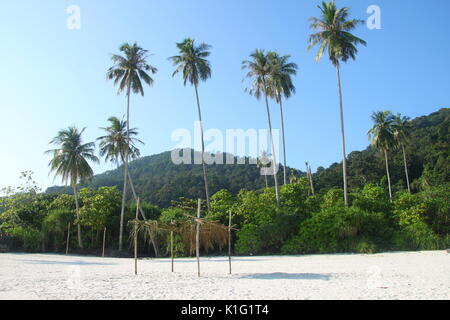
267	232
340	229
372	198
417	236
31	238
173	214
334	197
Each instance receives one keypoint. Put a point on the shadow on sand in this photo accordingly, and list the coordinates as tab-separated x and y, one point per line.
287	276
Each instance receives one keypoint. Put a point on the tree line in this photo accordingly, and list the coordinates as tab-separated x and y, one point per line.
270	76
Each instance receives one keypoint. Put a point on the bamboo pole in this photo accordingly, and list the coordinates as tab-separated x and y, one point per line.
171	245
197	237
229	241
104	241
68	238
136	238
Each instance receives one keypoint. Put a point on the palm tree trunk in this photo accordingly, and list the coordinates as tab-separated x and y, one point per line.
311	180
344	156
274	164
388	176
205	178
135	195
125	172
406	167
133	190
284	143
77	207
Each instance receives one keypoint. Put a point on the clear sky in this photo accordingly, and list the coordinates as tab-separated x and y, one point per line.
53	77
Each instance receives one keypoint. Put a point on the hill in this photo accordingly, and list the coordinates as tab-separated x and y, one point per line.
427	153
158	180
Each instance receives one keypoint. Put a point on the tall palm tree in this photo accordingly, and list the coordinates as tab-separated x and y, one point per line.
70	161
114	144
401	132
333	34
281	85
382	137
260	69
128	71
194	66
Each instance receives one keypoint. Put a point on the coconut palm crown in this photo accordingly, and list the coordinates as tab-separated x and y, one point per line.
130	68
259	70
280	80
70	158
192	62
382	133
113	145
333	34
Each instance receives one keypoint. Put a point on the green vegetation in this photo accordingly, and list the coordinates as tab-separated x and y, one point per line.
304	224
158	181
395	195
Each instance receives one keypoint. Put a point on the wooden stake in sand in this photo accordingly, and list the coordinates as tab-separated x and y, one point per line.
136	238
197	236
68	238
229	241
104	241
171	245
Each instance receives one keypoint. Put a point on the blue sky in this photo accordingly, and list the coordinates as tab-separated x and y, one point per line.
53	77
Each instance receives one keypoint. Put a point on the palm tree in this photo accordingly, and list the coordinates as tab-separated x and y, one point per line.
128	71
334	35
194	66
114	144
260	69
383	137
70	161
281	85
401	132
310	176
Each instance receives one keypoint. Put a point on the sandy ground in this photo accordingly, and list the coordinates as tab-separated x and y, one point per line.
405	275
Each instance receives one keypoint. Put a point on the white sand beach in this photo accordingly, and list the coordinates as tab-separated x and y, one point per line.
399	275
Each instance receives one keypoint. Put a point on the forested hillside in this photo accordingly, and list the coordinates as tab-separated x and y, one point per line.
159	181
427	152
